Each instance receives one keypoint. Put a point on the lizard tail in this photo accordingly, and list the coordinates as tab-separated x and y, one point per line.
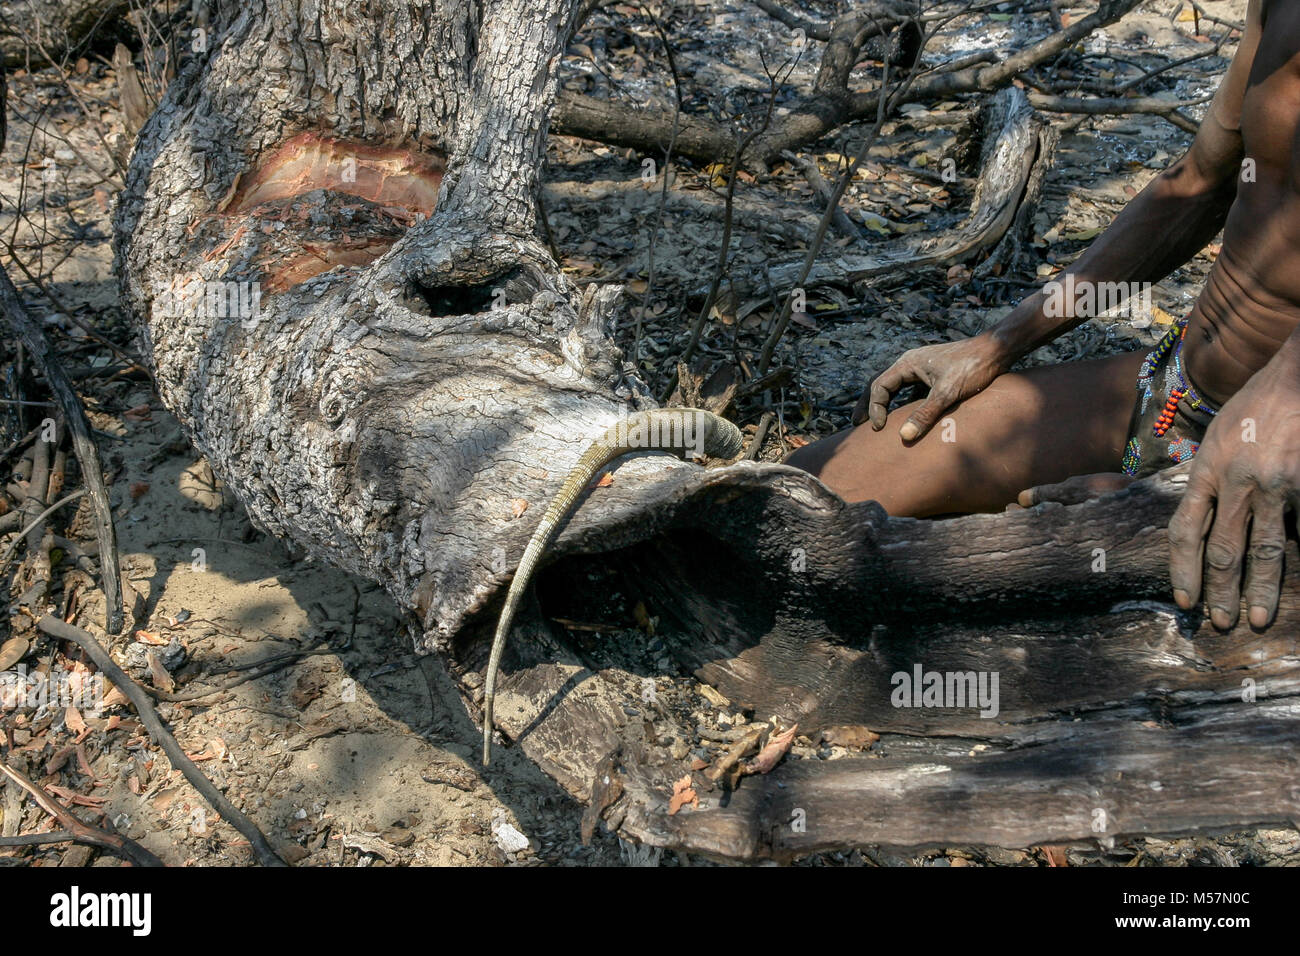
679	430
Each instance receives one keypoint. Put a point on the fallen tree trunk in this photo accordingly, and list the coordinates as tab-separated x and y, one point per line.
327	237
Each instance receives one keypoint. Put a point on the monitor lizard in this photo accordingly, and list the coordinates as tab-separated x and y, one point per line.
678	430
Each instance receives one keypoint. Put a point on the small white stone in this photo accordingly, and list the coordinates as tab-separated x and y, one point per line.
509	839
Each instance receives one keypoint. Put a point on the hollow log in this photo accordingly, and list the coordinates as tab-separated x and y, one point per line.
327	239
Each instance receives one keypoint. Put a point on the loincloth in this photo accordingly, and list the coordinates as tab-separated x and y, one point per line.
1170	417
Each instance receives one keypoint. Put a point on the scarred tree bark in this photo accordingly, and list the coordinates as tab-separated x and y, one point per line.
417	365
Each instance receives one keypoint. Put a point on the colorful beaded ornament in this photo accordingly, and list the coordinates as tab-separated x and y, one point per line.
1181	392
1132	457
1183	449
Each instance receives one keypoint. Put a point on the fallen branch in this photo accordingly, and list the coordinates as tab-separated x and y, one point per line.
1010	155
39	839
824	110
162	736
1119	106
77	829
33	337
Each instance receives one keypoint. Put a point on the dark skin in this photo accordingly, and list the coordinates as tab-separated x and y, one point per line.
984	438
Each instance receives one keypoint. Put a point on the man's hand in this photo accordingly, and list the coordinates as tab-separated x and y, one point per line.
954	371
1243	477
1074	490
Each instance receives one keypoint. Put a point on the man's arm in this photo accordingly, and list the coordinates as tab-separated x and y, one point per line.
1161	228
1164	225
1243	477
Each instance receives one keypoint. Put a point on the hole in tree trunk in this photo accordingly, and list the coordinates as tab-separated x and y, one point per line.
510	287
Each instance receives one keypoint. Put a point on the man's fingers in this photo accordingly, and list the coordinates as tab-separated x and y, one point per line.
883	389
1264	568
1225	551
1187	531
924	416
1074	490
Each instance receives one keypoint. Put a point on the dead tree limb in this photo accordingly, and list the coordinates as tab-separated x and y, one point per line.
1010	154
144	709
1120	106
78	830
31	335
822	111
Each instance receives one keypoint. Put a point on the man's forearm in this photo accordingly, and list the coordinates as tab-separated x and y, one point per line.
1160	229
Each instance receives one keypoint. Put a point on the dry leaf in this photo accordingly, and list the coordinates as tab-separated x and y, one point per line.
115	698
161	679
83	762
518	507
1160	317
606	480
683	795
1055	855
76	723
772	752
58	759
149	637
12	651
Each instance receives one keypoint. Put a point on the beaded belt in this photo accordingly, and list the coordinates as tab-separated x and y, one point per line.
1182	390
1178	391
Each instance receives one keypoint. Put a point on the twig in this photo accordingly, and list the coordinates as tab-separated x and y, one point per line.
56	627
87	454
37	498
1173	64
79	830
663	193
760	434
885	101
268	665
724	244
1230	24
36	523
38	839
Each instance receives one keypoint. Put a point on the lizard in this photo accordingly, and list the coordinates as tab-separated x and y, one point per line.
660	429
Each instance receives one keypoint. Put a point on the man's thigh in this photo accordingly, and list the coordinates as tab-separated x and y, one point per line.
1034	427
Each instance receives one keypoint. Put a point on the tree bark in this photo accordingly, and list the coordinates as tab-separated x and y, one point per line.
417	366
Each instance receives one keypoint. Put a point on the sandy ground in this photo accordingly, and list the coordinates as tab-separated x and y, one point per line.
363	753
